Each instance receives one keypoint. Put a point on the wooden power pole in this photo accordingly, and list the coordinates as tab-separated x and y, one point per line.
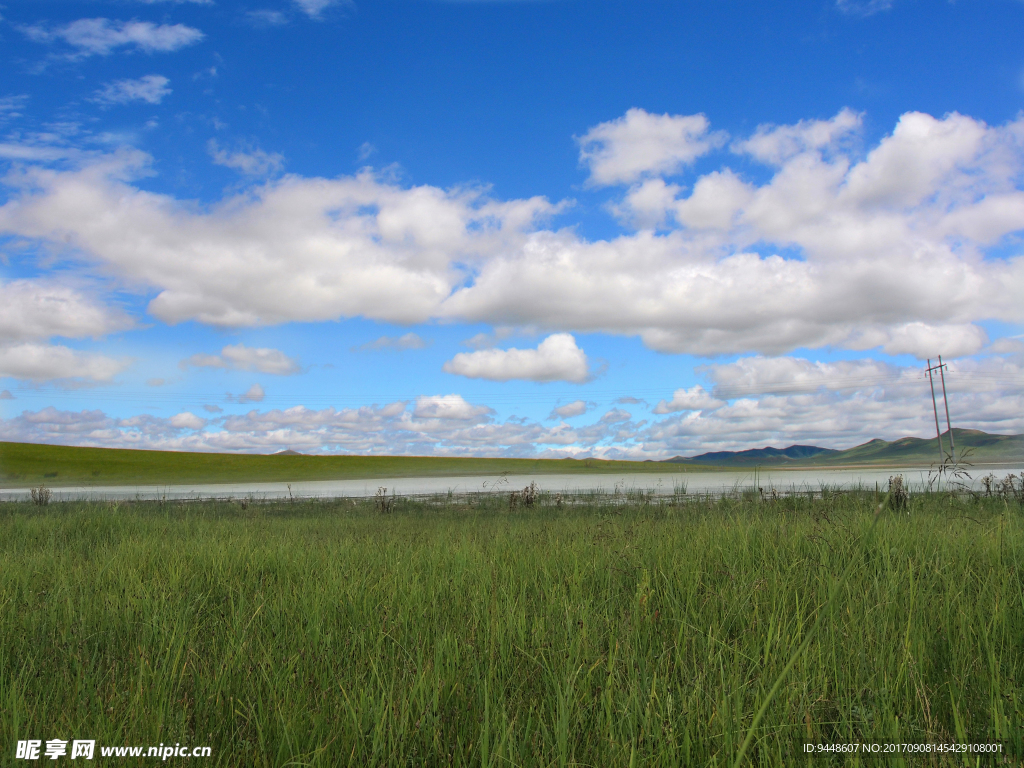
935	409
949	425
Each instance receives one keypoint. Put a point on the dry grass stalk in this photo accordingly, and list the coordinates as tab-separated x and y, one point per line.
41	496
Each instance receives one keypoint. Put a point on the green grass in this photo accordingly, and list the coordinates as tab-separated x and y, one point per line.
602	632
26	464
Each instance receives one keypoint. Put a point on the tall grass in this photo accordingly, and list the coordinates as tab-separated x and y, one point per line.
624	631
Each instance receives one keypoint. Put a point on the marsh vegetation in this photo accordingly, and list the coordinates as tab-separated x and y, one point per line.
573	630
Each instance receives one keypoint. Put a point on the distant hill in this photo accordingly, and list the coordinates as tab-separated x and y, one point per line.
981	447
756	455
29	464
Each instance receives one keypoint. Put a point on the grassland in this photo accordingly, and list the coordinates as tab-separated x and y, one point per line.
578	632
27	464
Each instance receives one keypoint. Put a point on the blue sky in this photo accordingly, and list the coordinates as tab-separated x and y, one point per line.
545	227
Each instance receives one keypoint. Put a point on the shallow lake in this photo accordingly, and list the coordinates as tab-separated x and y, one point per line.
783	480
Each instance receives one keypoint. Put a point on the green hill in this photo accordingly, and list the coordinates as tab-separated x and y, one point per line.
25	464
981	447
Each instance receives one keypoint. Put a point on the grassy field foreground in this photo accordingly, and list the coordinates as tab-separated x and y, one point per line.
576	632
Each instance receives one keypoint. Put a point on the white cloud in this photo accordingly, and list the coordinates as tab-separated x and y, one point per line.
239	357
557	358
33	309
863	7
47	362
837	248
103	36
266	18
11	106
786	401
1006	346
6	395
692	399
776	402
890	253
186	420
405	341
254	394
254	163
449	407
292	250
639	143
150	88
314	8
774	144
569	410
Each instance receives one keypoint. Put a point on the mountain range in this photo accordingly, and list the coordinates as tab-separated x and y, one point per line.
977	446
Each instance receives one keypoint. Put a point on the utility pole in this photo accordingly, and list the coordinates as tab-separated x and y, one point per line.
949	426
935	409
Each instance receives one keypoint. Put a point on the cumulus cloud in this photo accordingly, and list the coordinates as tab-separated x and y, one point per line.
186	420
254	394
32	309
776	402
150	89
449	407
557	358
775	144
772	375
37	362
238	357
439	425
692	399
569	410
639	143
293	250
891	252
838	248
405	341
103	36
253	163
784	401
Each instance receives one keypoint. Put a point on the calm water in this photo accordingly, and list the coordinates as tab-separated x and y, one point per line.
667	484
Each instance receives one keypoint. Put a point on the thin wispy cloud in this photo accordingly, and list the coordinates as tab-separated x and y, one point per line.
254	162
405	341
101	37
151	89
254	394
238	357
